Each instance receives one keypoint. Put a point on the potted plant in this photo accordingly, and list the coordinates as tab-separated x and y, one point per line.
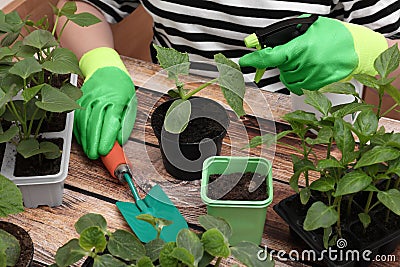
16	246
190	129
349	198
122	248
238	189
36	100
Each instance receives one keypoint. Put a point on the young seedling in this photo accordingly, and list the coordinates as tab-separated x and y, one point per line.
32	63
368	167
176	64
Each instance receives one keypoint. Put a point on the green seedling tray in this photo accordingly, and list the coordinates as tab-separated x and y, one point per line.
247	218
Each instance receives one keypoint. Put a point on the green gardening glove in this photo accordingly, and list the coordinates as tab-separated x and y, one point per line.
329	51
109	103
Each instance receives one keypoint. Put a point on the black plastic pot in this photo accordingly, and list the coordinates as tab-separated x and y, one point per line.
25	242
293	212
183	154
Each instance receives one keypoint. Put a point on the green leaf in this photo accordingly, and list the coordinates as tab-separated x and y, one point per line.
324	184
329	163
68	8
327	234
343	137
232	84
266	139
394	167
62	61
294	181
317	100
387	61
301	116
9	134
247	253
352	182
52	151
215	243
305	195
377	154
145	262
323	137
107	260
69	253
40	39
183	255
393	92
9	38
367	80
339	88
72	91
365	219
12	247
126	246
10	198
174	62
366	125
206	260
166	259
391	199
89	220
25	68
191	242
31	92
84	19
177	117
174	93
350	108
209	222
93	237
54	100
153	248
320	216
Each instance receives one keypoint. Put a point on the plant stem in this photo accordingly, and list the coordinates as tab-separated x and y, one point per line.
39	125
291	147
390	109
368	204
32	119
13	110
218	262
198	89
374	205
349	206
380	94
62	30
397	183
55	24
338	201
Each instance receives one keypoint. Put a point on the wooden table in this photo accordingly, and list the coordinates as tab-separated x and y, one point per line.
89	188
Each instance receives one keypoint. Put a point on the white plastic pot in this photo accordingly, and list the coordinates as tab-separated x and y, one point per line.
47	189
41	190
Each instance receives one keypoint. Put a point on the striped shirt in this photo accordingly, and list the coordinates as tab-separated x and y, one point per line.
207	27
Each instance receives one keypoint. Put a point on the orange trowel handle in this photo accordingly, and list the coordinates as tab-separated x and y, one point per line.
114	158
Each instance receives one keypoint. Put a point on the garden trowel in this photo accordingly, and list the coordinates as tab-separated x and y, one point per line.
156	202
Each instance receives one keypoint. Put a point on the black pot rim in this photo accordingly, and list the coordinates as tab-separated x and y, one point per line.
24	233
221	135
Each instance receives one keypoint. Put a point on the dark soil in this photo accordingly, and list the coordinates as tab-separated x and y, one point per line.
393	224
368	235
38	165
55	122
206	126
25	243
243	190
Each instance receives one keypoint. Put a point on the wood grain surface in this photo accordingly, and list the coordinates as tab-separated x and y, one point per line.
89	188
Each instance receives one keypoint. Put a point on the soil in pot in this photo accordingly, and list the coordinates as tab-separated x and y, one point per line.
197	129
38	165
54	123
183	154
25	243
247	187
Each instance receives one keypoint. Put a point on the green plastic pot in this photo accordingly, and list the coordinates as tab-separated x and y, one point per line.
247	218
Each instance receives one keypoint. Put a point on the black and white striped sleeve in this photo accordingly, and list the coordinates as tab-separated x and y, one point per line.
115	10
382	16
